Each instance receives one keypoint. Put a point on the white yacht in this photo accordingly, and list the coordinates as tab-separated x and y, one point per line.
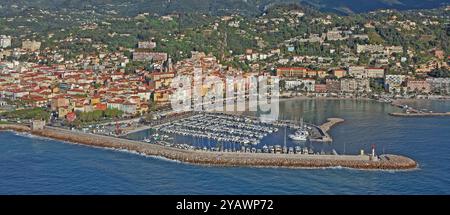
300	135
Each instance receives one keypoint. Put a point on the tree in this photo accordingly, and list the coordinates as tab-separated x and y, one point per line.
440	73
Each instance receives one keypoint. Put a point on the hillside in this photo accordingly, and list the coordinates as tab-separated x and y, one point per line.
214	7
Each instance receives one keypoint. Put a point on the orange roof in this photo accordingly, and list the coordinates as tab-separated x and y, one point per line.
100	106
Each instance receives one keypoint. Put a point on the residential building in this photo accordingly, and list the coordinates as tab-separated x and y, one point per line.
439	85
339	73
320	88
369	48
162	79
147	55
291	72
353	85
357	71
372	72
420	86
31	45
3	103
333	86
58	102
307	85
5	41
129	108
146	45
393	83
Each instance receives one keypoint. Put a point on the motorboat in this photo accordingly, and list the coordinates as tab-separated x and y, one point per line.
300	135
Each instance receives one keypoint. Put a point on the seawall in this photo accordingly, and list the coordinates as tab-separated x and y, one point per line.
386	162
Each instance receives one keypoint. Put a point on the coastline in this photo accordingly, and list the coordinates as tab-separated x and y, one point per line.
363	162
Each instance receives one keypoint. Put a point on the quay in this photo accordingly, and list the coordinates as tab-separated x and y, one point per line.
413	112
419	114
382	162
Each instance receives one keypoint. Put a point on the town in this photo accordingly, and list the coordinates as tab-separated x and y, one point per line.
45	76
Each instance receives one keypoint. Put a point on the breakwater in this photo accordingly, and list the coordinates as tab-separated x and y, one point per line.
414	112
385	162
423	114
324	128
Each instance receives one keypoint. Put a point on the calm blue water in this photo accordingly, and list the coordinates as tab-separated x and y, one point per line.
40	166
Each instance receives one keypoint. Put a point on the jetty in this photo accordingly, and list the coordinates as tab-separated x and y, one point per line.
324	128
382	162
413	112
419	114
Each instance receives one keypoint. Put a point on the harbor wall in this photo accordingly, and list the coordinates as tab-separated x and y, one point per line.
386	162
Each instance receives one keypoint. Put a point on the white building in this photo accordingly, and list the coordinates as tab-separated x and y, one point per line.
352	85
357	71
374	72
393	82
3	103
5	41
307	85
31	45
369	48
439	85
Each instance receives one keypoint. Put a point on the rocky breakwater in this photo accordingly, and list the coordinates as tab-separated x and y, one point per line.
324	128
386	162
14	127
420	114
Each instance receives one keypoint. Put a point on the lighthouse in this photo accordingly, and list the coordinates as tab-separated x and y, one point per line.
373	156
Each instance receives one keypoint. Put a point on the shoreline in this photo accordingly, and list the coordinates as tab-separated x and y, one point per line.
230	159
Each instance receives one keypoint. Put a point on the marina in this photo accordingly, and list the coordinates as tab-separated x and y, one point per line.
236	133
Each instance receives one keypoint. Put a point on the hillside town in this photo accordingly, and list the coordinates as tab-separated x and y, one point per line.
343	61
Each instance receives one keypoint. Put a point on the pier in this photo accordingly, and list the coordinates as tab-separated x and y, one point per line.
383	162
413	112
419	114
324	128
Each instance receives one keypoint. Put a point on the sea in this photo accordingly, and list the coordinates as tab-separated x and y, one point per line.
34	165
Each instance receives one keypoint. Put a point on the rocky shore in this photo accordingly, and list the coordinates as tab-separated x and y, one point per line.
385	162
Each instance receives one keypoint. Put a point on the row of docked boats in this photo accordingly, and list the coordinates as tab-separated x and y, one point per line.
277	149
220	127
